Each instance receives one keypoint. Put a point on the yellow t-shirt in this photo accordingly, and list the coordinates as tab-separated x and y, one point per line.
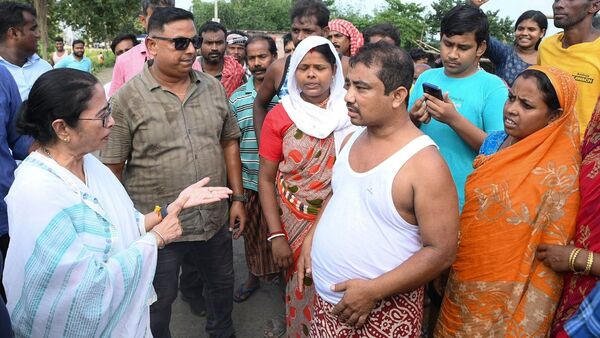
583	62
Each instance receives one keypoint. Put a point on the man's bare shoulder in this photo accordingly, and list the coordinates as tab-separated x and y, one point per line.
428	164
277	66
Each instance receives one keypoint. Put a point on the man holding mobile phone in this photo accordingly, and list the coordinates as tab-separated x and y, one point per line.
472	101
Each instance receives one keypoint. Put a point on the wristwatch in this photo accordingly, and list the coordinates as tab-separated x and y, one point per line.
239	198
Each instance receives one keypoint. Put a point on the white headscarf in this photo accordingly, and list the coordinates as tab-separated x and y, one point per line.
312	119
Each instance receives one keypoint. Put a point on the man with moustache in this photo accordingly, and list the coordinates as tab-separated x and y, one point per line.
77	59
346	38
18	44
576	50
174	126
261	51
132	62
391	223
213	60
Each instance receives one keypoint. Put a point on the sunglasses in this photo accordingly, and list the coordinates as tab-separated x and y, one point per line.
182	43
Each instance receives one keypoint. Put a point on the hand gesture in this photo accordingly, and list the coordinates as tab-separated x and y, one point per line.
304	265
282	253
418	114
358	301
441	110
197	194
169	229
556	257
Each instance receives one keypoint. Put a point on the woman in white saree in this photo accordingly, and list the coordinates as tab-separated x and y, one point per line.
81	259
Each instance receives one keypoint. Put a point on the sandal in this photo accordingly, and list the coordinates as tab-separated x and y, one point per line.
275	328
244	293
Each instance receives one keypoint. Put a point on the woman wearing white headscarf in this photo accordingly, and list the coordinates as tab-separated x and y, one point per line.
299	141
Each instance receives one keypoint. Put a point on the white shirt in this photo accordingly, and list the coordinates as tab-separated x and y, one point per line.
25	76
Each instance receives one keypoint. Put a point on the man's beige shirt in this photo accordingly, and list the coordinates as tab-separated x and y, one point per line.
169	144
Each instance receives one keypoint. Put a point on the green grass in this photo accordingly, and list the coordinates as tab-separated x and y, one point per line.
109	58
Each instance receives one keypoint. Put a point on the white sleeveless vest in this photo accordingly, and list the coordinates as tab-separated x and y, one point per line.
360	234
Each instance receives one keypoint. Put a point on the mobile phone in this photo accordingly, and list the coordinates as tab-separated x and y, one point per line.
433	90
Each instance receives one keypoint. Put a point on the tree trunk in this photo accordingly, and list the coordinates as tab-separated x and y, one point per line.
41	7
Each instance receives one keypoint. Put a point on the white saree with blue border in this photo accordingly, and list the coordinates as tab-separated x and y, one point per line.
79	263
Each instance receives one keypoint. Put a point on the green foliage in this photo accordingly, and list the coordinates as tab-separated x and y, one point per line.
407	17
268	15
98	20
92	54
500	27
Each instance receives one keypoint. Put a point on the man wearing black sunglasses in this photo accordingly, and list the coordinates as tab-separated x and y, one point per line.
131	63
174	125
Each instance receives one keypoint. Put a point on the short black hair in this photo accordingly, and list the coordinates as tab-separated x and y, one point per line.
11	15
546	88
264	37
418	54
396	66
59	39
77	41
212	26
287	37
122	37
384	29
164	15
307	8
463	19
538	17
58	94
153	4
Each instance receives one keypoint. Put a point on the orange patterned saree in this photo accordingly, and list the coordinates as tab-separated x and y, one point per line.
517	198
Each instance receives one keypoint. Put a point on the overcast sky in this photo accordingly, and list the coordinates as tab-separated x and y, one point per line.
510	8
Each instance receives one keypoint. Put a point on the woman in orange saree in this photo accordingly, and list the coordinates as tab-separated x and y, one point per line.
523	192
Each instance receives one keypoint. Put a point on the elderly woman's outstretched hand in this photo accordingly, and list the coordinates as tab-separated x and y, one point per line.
197	194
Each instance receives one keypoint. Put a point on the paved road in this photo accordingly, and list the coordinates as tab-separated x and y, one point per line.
248	317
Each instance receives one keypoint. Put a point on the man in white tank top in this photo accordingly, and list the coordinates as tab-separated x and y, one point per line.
391	223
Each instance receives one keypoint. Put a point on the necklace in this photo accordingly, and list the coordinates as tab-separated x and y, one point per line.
324	103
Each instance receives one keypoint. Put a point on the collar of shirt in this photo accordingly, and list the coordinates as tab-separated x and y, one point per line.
151	83
29	61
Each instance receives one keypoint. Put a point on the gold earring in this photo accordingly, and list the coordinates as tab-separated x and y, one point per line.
67	139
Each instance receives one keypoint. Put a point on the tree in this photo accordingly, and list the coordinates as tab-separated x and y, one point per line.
269	15
500	28
407	17
98	20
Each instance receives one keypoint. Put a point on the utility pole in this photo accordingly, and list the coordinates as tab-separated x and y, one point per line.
216	14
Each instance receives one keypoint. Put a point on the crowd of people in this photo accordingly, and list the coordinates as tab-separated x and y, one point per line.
388	193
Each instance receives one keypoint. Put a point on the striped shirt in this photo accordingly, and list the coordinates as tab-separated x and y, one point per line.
241	102
586	322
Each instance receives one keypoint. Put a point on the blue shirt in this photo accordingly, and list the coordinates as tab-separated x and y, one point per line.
586	322
10	140
480	99
506	60
241	103
25	76
492	142
70	62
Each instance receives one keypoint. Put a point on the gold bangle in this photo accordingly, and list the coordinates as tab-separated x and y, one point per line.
157	211
590	262
164	243
573	258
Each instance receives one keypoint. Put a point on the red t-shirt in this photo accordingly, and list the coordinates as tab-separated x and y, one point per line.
274	127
